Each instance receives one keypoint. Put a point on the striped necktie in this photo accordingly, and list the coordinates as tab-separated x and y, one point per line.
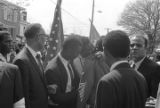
70	71
39	62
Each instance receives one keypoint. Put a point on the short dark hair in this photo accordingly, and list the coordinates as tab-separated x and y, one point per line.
3	34
87	46
117	43
84	41
71	42
99	44
32	30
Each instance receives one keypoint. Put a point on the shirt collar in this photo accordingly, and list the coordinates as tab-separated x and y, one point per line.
2	58
139	63
117	63
34	53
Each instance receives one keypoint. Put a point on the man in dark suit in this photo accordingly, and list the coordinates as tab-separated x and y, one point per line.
122	87
11	93
62	78
148	68
30	65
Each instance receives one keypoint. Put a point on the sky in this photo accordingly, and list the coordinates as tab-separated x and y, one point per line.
76	14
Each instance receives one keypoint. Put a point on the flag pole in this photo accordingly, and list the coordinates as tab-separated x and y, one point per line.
92	17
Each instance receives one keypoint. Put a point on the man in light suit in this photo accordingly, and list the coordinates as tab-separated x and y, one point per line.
122	87
93	68
62	78
11	92
30	65
148	68
157	105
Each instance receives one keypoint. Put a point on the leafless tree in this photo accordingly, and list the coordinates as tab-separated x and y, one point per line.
23	3
142	16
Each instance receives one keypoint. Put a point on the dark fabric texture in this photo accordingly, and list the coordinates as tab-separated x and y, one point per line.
10	85
34	84
56	74
123	87
151	71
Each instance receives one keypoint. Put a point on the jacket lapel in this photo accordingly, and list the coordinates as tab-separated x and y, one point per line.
35	66
143	64
63	73
122	65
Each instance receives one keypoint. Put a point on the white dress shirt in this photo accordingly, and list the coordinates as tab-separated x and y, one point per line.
137	64
117	63
34	53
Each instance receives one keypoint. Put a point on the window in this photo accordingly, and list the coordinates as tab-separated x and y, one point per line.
8	13
23	16
5	12
15	15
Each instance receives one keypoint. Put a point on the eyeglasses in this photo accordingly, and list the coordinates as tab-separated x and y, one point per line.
137	45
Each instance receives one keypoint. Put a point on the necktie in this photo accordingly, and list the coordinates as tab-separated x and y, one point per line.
39	62
71	71
132	64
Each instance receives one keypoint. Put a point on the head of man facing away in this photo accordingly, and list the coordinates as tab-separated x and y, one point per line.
116	46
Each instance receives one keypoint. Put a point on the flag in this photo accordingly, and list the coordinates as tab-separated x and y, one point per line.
94	35
56	35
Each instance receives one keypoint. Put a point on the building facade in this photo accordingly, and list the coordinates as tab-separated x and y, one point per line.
14	18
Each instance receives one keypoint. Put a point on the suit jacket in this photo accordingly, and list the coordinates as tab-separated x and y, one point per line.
56	74
151	71
10	85
34	85
123	87
94	68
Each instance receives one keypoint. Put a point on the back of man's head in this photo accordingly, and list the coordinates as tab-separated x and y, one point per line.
117	43
32	30
87	47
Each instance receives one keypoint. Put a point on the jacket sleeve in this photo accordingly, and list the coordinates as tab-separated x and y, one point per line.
57	95
89	76
18	89
105	95
25	79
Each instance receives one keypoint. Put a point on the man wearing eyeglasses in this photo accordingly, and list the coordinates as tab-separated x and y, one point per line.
30	64
148	68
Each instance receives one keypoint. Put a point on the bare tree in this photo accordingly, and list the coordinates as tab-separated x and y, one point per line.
142	16
23	3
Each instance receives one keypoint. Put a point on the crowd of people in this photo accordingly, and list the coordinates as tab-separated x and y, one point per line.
115	73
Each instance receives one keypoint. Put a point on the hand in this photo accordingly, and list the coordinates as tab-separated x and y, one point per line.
52	89
99	54
12	56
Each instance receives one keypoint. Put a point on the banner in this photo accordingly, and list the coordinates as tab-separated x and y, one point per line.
56	35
